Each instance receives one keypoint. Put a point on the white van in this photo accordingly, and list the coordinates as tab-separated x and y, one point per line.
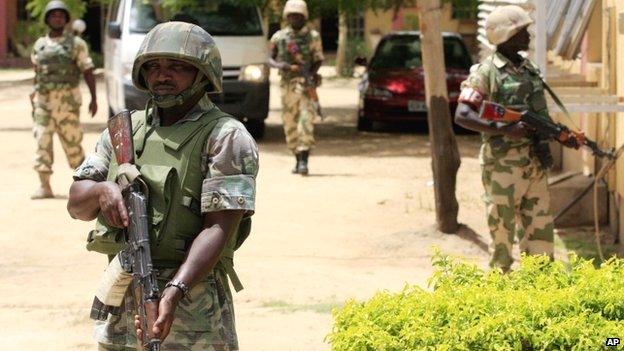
239	34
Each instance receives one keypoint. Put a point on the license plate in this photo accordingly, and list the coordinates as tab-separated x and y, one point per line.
416	106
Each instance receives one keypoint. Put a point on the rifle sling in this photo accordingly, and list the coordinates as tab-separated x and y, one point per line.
558	101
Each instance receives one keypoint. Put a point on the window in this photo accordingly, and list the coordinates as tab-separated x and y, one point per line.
404	51
216	17
355	23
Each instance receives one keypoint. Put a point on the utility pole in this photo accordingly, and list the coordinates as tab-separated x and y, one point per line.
444	152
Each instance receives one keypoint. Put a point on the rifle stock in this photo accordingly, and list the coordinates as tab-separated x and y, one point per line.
120	131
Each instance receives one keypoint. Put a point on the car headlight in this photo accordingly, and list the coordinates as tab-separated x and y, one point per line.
379	92
254	73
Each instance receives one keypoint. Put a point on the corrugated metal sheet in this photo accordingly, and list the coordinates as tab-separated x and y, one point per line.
567	22
567	41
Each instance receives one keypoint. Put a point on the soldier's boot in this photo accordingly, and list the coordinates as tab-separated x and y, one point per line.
295	170
302	166
45	190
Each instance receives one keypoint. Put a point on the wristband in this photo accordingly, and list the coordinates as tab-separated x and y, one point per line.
180	285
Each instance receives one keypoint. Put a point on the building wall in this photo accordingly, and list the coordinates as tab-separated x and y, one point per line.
380	23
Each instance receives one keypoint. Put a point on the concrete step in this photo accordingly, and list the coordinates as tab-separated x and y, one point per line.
582	213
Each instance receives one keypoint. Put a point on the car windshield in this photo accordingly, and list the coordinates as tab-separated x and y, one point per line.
405	52
216	17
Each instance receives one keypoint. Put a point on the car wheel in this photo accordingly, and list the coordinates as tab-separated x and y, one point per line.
256	128
364	125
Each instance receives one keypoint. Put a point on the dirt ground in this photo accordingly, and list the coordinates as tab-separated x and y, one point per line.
363	221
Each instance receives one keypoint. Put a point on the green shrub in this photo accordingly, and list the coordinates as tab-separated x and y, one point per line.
541	306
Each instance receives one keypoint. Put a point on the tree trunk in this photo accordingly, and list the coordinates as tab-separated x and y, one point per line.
444	153
341	54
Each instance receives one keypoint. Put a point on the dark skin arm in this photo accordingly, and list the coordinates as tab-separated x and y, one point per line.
88	198
200	260
468	118
90	80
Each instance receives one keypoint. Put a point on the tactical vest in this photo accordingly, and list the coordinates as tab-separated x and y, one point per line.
56	68
301	43
170	160
516	92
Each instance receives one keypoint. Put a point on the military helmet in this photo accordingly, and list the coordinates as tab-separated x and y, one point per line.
296	6
56	5
505	22
185	42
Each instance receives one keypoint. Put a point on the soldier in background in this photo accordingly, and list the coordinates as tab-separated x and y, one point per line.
59	58
200	165
298	54
514	165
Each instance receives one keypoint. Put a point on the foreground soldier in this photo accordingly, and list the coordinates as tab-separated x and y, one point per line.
514	165
59	58
297	52
200	166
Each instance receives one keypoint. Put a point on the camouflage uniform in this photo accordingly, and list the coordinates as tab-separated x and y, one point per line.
206	322
298	111
59	62
516	188
228	162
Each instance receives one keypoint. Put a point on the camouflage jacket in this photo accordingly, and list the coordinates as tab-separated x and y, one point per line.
301	47
59	61
230	160
519	88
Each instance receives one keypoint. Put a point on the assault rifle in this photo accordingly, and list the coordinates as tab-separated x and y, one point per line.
136	258
544	128
311	80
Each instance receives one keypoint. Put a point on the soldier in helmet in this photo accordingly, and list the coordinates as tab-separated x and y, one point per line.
298	54
514	164
200	166
59	58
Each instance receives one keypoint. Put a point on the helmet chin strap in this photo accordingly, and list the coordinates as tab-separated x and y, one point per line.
168	101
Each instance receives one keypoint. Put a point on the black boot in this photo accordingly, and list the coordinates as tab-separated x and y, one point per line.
295	170
302	167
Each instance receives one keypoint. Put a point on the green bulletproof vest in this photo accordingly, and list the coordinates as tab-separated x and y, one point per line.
520	91
293	44
170	160
56	68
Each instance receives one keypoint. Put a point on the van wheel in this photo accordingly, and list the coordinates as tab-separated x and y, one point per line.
256	128
364	125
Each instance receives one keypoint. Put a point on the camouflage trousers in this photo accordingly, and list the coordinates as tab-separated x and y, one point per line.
206	322
298	115
58	111
518	205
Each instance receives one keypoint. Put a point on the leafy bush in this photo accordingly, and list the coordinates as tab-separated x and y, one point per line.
541	306
356	47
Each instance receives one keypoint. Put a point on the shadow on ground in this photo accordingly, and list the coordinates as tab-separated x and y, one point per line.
337	135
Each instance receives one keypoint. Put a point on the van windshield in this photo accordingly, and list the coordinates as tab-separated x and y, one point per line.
405	52
216	17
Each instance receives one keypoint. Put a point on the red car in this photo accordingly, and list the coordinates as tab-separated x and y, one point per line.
393	88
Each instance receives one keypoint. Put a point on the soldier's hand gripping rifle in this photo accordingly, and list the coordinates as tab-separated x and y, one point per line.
136	257
543	127
312	80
